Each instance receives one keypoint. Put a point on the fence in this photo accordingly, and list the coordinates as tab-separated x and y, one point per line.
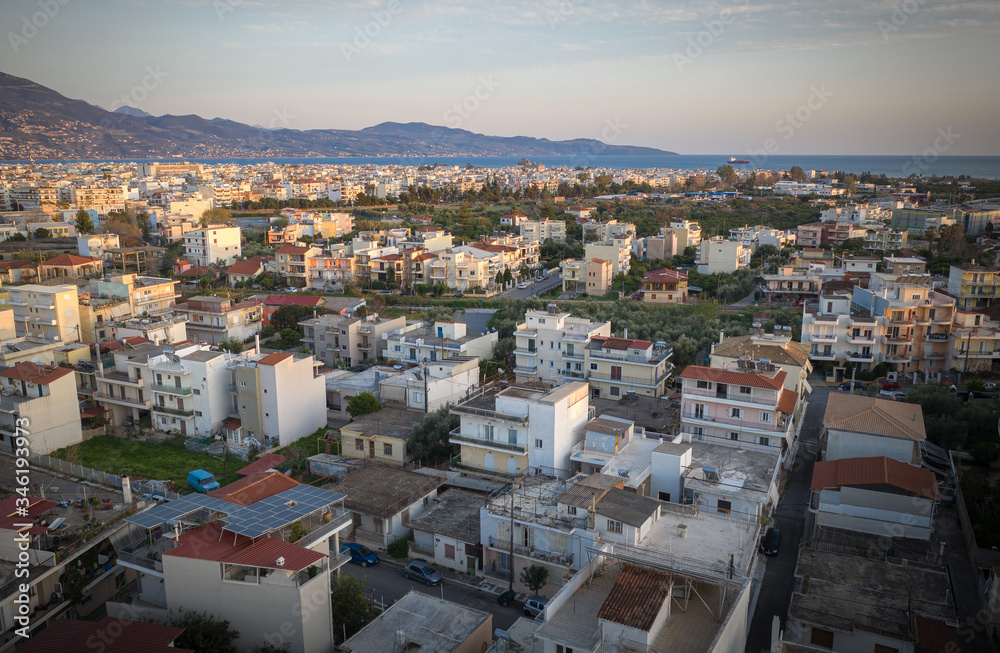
106	479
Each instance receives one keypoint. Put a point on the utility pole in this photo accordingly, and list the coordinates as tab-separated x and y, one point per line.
510	559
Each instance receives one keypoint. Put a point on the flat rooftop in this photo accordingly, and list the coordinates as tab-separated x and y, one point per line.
388	422
430	625
632	462
743	473
376	489
455	514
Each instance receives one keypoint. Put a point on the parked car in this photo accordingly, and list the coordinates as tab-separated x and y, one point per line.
202	481
846	387
770	544
505	599
522	286
989	386
534	605
890	385
422	572
895	395
360	554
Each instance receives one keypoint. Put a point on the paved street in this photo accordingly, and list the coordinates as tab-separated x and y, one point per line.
552	281
789	518
387	581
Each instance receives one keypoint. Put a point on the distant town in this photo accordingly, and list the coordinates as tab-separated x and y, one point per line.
517	409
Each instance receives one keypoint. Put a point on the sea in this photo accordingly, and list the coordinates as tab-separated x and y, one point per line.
923	165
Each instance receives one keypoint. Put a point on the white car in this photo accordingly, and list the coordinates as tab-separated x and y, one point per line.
522	286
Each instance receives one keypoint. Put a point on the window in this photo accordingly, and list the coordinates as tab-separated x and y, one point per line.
703	385
386	448
744	390
197	413
243	384
764	441
663	496
197	391
733	435
614	526
882	648
359	444
765	417
615	391
725	507
449	551
736	413
593	367
616	373
538	443
571	510
512	436
820	637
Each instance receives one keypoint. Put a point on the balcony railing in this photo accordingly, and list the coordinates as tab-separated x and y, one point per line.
777	425
862	339
525	352
122	378
490	414
339	522
123	401
859	356
482	440
173	411
172	390
562	559
573	374
823	337
616	355
648	381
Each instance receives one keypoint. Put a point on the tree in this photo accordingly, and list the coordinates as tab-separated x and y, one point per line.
291	336
728	175
232	345
796	173
351	610
507	276
42	232
205	281
289	316
362	404
429	440
203	632
18	237
217	215
84	225
534	578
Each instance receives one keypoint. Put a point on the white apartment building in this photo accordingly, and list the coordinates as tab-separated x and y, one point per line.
517	429
541	230
146	295
42	400
46	313
606	231
96	244
427	343
618	251
549	339
718	256
190	391
208	245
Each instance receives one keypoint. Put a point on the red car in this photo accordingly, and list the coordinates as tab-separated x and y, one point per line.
890	386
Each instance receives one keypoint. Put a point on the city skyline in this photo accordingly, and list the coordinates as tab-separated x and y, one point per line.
727	77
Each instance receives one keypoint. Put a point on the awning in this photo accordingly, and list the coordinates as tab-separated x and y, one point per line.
807	387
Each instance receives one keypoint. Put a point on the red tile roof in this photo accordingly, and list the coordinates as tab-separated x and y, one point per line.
636	598
255	487
35	373
293	249
210	542
8	511
752	379
664	276
786	401
20	263
245	267
264	463
622	343
275	358
286	300
110	635
933	635
878	470
71	259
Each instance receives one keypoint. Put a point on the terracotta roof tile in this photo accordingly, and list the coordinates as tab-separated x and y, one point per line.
859	414
791	353
623	343
787	401
71	259
245	267
264	463
752	379
75	635
210	543
285	300
275	358
636	598
255	487
664	275
35	373
878	470
8	511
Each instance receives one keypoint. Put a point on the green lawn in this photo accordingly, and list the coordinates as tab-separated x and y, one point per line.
159	461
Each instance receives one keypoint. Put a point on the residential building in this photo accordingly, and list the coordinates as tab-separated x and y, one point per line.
294	261
79	635
539	350
277	398
380	436
608	231
885	240
617	251
791	284
123	389
245	271
134	260
839	232
591	277
746	407
7	330
899	265
665	245
846	603
70	266
210	244
775	349
100	198
616	447
815	234
448	532
972	219
332	271
335	338
18	271
874	495
46	313
190	392
718	256
855	426
541	230
215	319
580	212
664	286
859	265
514	429
973	286
253	553
145	295
383	500
431	386
423	343
42	400
426	622
620	368
273	303
692	232
974	342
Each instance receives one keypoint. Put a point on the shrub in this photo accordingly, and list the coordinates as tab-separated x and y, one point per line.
399	549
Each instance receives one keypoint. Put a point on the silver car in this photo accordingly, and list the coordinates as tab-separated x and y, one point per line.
534	605
422	572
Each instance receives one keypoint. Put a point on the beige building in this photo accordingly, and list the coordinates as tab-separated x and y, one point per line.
975	342
622	367
550	343
212	243
718	256
586	276
214	319
974	286
617	251
422	343
145	295
541	230
425	622
294	261
335	338
664	287
71	266
102	199
7	330
47	313
42	400
380	436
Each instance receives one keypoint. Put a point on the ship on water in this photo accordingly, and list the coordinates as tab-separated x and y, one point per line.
733	159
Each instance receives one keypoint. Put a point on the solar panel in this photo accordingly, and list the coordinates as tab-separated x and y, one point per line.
178	508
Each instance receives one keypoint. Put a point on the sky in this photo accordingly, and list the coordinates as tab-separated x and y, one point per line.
690	76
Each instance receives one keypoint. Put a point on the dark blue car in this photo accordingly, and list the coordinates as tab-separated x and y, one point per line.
360	555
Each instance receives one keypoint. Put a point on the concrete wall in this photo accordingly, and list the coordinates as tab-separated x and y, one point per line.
732	636
293	399
845	444
50	425
665	475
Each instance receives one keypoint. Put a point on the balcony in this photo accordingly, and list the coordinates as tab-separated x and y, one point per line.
525	352
325	531
121	401
618	355
121	378
528	333
898	357
456	436
938	336
579	375
490	414
859	357
901	339
574	356
526	370
179	391
903	319
823	337
823	355
177	412
562	559
862	339
740	422
731	396
935	355
648	381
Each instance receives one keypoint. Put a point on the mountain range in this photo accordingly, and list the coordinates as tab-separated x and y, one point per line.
38	122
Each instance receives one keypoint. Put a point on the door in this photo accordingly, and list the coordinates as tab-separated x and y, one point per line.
470	565
184	429
512	465
616	373
371	448
489	461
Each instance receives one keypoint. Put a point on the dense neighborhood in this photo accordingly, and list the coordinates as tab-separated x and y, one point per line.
387	408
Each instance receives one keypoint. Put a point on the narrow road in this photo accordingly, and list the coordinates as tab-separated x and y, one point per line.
387	582
790	518
536	288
